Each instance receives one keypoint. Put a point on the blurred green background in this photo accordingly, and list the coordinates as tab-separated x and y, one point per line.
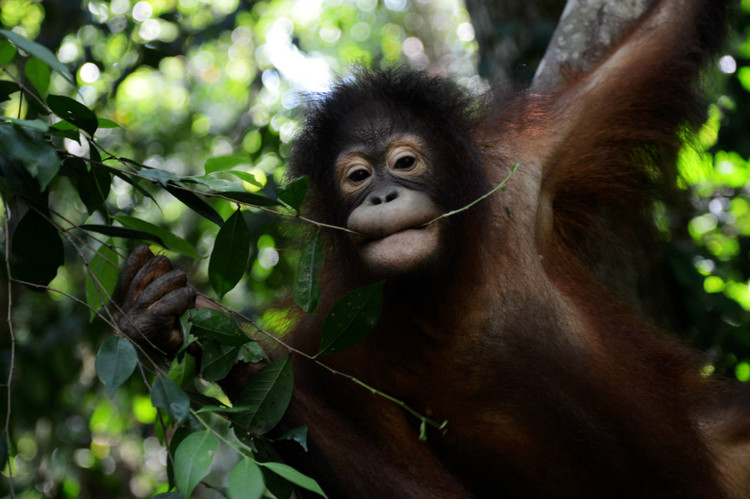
190	80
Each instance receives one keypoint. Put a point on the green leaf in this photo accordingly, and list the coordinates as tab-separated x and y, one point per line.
246	177
198	205
170	240
39	51
264	452
30	150
38	74
107	123
92	183
294	476
214	184
252	351
188	338
246	481
180	433
165	394
222	409
7	87
73	112
217	360
36	250
35	125
193	459
214	325
267	395
298	435
161	177
115	362
114	231
64	129
134	163
104	268
294	193
7	52
65	126
182	372
169	495
250	198
230	254
352	319
306	288
221	163
15	179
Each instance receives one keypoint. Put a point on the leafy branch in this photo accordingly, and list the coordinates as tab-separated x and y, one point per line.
5	444
37	230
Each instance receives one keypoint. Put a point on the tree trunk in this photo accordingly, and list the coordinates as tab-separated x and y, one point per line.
513	36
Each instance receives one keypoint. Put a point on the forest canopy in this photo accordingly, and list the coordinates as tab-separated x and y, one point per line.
169	123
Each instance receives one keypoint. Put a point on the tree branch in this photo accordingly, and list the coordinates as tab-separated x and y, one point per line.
587	30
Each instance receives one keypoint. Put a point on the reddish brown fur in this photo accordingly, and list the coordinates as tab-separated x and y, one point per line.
549	383
552	386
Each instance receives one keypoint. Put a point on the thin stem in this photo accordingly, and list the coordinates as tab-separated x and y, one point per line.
26	91
500	186
222	438
11	368
424	420
219	195
442	426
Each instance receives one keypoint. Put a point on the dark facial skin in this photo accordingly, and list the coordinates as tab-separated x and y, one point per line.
383	187
495	319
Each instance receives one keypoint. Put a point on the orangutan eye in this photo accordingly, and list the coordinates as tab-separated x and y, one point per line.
358	175
404	163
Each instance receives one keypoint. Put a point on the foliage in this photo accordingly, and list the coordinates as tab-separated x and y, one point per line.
168	123
165	123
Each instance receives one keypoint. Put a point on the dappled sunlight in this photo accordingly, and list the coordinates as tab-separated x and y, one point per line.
188	95
310	74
